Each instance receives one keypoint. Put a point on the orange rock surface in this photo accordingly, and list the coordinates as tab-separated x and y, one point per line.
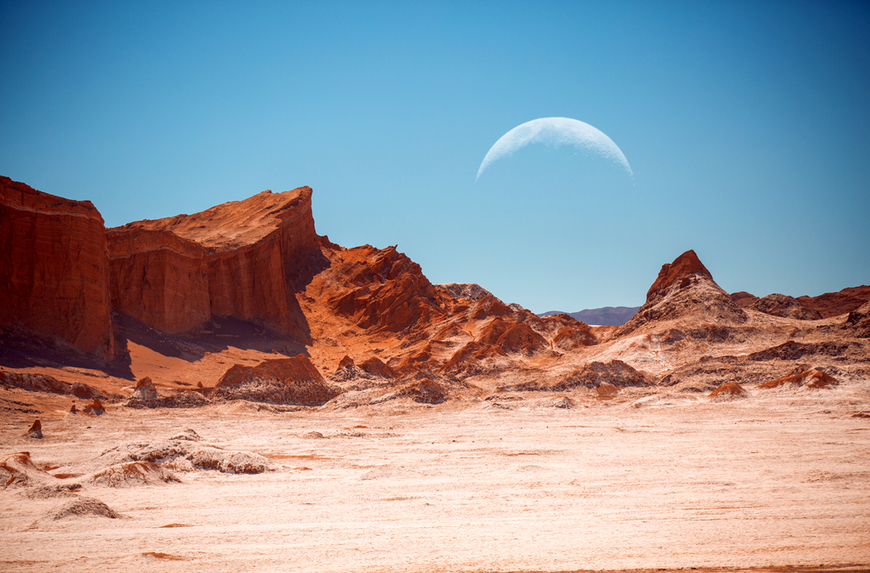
729	389
256	252
284	381
159	278
679	272
803	375
54	268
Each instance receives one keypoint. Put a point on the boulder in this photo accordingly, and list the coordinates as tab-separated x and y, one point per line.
96	408
82	390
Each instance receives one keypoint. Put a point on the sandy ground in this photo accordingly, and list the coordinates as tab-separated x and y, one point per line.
643	481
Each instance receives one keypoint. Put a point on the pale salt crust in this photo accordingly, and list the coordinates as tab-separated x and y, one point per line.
644	480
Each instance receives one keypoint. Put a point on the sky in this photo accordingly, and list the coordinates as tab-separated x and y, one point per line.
746	125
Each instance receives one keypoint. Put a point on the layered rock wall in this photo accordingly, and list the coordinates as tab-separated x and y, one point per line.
241	259
159	278
54	268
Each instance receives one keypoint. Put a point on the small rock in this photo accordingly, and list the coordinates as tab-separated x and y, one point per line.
728	390
96	408
145	390
35	430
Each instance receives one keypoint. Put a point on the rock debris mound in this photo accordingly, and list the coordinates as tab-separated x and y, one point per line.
131	474
185	452
82	507
18	472
728	391
803	376
283	381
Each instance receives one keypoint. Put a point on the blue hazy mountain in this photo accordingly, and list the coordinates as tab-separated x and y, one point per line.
608	315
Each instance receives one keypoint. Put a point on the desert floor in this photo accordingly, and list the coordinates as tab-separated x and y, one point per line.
641	481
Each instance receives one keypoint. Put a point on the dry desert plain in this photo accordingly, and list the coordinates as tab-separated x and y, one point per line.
643	480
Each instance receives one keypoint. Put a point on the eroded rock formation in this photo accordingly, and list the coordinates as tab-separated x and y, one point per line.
54	271
685	287
243	259
283	381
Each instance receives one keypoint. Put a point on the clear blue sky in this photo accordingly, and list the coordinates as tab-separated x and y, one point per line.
747	126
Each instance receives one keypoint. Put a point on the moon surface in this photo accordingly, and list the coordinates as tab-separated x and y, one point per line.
556	132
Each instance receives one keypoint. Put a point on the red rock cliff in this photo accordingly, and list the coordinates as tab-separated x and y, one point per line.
54	268
159	278
256	250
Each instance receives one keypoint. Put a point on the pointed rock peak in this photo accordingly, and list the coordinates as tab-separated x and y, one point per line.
679	271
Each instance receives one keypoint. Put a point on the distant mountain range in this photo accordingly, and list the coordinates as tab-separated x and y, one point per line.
608	315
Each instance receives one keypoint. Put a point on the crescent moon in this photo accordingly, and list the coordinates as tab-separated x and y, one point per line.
555	131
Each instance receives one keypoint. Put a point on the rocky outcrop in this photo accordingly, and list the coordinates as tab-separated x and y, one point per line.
383	290
728	391
54	270
837	303
805	376
573	337
469	291
743	299
96	408
425	391
243	259
858	322
45	383
594	374
473	358
282	381
792	350
513	337
35	430
678	275
784	306
376	367
826	305
145	390
685	287
609	375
